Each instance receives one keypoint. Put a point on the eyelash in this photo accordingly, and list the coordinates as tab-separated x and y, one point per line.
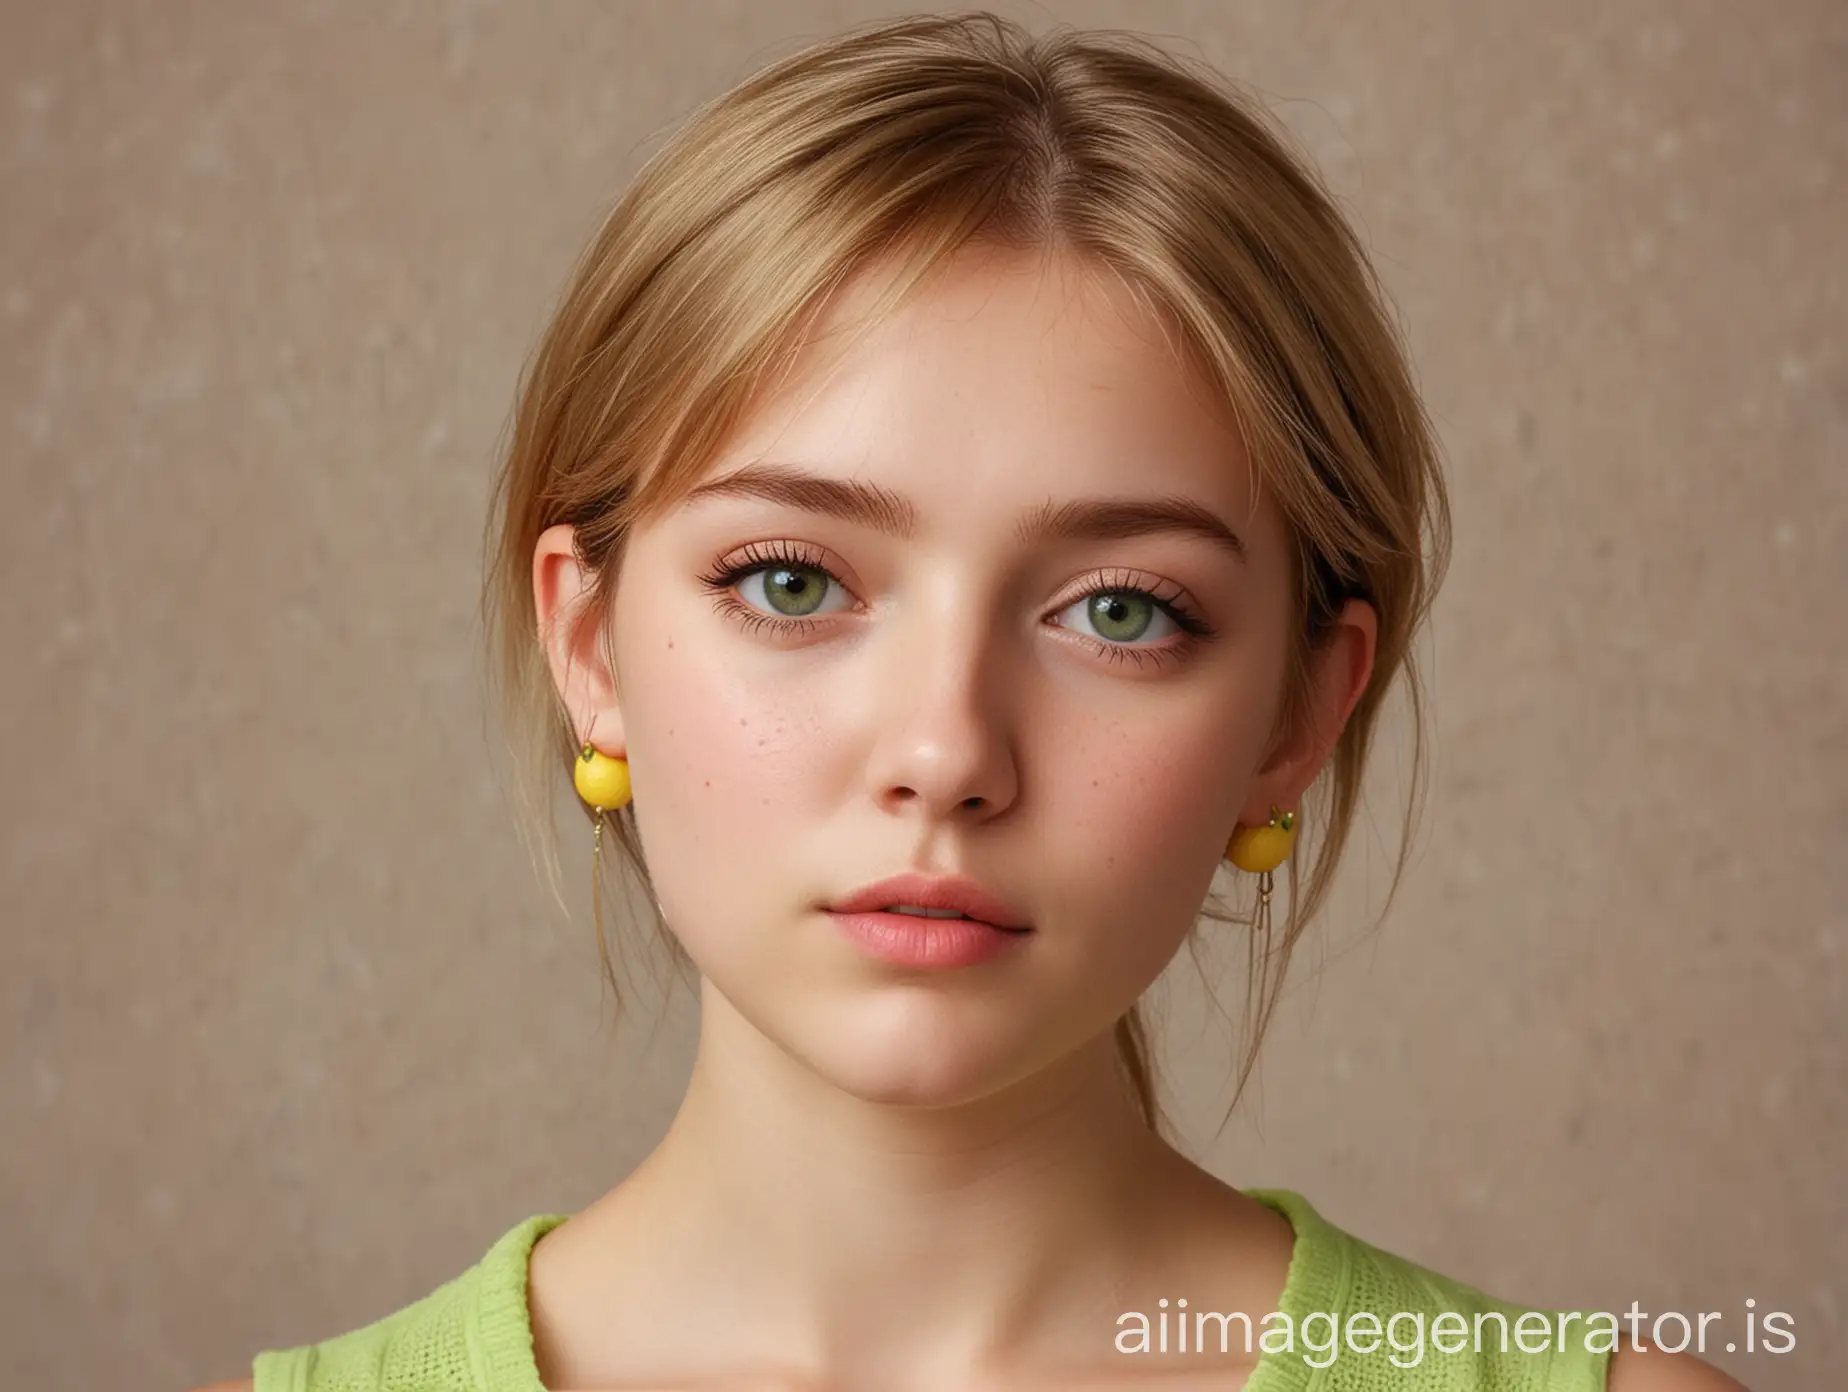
770	555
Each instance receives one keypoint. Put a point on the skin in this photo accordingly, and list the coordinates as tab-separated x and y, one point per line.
891	1179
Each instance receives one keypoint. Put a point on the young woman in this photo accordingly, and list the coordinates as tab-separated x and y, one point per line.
969	494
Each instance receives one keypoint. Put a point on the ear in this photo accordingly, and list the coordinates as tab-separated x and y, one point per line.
571	633
1338	673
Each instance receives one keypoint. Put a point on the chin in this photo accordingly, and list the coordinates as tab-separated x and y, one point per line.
918	1046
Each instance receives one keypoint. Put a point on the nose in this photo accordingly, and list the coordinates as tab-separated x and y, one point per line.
945	705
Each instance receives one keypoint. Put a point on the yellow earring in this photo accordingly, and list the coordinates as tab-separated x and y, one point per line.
1262	849
603	782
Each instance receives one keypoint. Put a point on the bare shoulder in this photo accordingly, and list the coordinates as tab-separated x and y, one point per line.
1652	1369
234	1385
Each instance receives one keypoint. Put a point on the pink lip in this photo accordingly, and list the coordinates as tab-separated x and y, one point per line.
907	940
910	940
932	892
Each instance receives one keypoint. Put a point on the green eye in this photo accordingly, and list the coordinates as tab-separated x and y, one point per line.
794	587
795	592
1120	617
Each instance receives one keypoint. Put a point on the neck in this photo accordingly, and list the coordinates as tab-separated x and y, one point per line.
885	1243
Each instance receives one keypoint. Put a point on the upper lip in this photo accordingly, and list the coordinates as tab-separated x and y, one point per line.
933	892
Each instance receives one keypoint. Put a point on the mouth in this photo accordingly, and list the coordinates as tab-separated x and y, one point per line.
904	937
931	916
926	899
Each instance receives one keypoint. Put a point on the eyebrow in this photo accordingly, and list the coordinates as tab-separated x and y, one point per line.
869	505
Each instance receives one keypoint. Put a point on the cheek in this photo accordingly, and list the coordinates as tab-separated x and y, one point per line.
719	768
716	754
1150	816
1148	802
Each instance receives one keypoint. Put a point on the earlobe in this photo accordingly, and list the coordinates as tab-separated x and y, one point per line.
568	630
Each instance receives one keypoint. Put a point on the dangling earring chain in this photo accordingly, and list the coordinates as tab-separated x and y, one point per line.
1262	920
1261	850
603	783
596	873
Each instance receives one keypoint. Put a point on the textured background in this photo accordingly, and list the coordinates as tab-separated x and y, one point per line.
292	1031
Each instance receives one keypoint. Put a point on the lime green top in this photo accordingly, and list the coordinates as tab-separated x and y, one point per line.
474	1333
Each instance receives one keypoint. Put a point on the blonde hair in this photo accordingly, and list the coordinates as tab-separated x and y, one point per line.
909	140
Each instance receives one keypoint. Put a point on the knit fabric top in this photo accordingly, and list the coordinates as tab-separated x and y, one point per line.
474	1333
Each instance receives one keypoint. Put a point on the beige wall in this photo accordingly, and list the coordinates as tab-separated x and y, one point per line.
291	1030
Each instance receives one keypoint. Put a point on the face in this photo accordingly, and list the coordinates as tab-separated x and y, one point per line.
943	682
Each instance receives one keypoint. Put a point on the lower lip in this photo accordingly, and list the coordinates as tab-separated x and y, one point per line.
907	940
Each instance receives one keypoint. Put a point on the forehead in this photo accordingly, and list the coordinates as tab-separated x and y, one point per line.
1006	379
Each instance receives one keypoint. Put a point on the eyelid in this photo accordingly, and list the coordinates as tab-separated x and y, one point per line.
760	555
1122	580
